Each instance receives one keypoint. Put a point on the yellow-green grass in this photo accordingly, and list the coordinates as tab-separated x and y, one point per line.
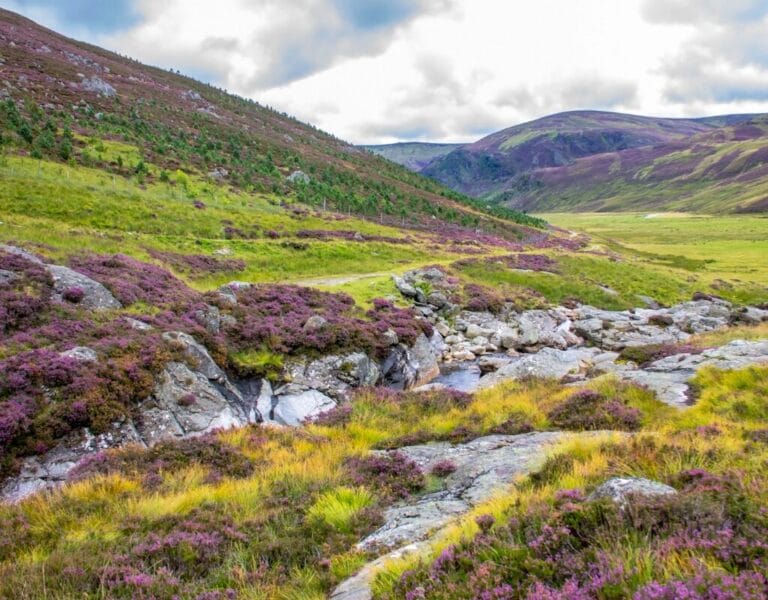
731	401
730	248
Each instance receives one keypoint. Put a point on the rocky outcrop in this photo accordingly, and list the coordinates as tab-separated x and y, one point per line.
484	467
50	470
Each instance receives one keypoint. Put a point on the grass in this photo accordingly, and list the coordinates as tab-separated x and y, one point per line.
725	253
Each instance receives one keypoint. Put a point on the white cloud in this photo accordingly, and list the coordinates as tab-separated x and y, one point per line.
453	70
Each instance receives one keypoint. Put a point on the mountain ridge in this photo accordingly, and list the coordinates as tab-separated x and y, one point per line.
554	163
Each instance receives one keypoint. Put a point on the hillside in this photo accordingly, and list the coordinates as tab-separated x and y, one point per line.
588	161
412	155
59	94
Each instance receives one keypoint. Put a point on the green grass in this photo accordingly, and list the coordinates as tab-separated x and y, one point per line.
698	251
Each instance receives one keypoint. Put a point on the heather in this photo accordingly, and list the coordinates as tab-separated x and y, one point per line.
25	292
294	319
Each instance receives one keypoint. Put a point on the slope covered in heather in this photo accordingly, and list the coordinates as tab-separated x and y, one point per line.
589	161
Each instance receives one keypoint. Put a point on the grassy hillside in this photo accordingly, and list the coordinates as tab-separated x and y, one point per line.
594	161
73	103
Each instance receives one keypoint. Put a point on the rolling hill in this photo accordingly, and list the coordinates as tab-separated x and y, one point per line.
598	161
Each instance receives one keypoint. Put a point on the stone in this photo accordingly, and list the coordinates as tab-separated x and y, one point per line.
405	288
96	296
749	315
424	359
437	299
473	331
197	354
621	489
294	409
314	323
390	338
548	363
81	354
443	329
489	364
98	85
228	291
299	177
137	325
210	318
163	416
21	252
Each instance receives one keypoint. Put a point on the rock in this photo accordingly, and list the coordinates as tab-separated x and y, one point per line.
621	489
405	288
294	409
390	338
443	329
96	295
21	252
137	325
437	299
228	291
185	403
197	354
333	375
432	274
463	355
99	86
648	301
474	331
424	359
7	277
452	340
489	364
315	322
548	363
299	177
508	338
218	174
51	470
210	318
191	95
749	315
81	353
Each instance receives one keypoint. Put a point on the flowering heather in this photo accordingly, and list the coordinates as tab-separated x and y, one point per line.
335	417
276	317
198	264
134	281
589	410
644	355
392	474
708	585
443	468
25	292
73	294
483	299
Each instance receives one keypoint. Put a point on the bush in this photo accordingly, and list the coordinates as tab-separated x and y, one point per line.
589	410
393	475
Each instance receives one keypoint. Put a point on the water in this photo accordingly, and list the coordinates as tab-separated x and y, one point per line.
463	377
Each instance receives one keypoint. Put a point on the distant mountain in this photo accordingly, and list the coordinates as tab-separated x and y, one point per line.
414	155
589	160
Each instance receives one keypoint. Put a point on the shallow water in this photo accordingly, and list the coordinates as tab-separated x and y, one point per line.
463	377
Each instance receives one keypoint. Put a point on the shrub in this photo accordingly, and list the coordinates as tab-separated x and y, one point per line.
482	299
443	468
392	474
338	508
73	294
589	410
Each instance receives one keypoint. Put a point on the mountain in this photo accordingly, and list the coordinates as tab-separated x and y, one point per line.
413	155
590	160
57	93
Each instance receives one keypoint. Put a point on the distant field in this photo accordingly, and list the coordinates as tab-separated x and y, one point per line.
731	248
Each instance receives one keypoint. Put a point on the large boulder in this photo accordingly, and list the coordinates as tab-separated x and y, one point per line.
294	409
333	375
95	295
186	403
196	354
548	363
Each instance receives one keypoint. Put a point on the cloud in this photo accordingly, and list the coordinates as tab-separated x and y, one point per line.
94	16
703	11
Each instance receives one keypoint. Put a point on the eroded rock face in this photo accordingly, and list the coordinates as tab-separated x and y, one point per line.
334	375
294	409
51	469
95	295
547	363
186	403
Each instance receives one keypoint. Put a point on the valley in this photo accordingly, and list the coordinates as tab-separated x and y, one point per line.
241	358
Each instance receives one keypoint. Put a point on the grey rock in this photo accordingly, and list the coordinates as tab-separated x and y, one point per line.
81	353
137	325
621	489
197	354
315	322
218	174
548	363
432	274
294	409
96	295
424	358
21	252
389	337
749	315
299	177
437	299
51	470
334	375
405	288
168	415
210	318
489	364
98	85
228	291
7	277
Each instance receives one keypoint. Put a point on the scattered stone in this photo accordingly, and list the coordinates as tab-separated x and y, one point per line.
299	177
197	354
98	85
81	353
621	489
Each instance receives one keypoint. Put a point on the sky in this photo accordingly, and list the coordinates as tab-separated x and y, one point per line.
379	71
